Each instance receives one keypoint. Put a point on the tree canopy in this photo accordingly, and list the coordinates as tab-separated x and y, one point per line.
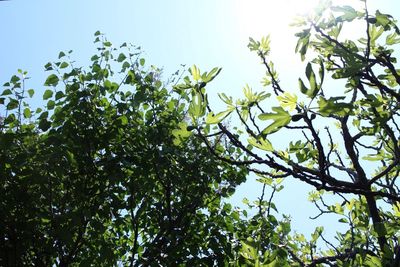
121	168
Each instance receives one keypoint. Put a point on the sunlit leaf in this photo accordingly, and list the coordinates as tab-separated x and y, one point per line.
280	117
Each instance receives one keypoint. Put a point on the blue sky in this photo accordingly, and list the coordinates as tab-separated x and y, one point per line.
207	33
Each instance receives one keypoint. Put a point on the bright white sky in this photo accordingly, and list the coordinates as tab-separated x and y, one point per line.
207	33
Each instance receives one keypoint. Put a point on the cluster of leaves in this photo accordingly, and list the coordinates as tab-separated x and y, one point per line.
118	170
341	141
95	178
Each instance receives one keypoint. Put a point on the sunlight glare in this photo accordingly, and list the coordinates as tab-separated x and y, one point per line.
258	18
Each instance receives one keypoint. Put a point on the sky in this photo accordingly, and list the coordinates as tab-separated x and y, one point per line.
208	33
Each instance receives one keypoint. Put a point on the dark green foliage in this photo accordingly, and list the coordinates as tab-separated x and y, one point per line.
96	179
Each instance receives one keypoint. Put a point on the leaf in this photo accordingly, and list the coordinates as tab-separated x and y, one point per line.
288	100
50	104
59	95
375	33
195	73
349	13
261	143
311	78
94	58
27	113
12	104
44	125
47	94
61	54
392	39
265	44
197	106
317	233
253	45
330	106
227	100
123	120
302	43
314	88
7	92
142	61
31	92
383	20
48	66
372	261
52	80
211	75
217	118
281	118
63	65
181	133
121	57
303	88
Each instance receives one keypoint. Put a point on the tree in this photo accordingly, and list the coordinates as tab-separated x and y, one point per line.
117	169
344	140
94	177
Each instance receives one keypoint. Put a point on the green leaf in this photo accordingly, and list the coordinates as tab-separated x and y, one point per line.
281	118
211	75
61	54
372	261
31	92
181	133
14	79
288	100
63	65
27	113
94	58
121	57
217	118
317	233
303	42
52	80
261	143
44	125
330	106
107	44
265	45
197	106
383	20
313	90
7	92
142	61
48	66
303	88
375	33
12	104
50	104
47	94
253	45
392	39
195	73
123	120
311	78
59	95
